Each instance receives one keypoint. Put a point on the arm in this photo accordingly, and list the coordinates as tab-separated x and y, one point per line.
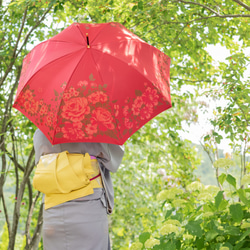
111	156
42	145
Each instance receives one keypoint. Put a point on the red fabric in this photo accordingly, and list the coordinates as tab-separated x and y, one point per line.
103	93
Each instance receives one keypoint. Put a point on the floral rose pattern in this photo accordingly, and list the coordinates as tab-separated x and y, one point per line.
104	117
84	111
70	130
142	107
75	109
98	96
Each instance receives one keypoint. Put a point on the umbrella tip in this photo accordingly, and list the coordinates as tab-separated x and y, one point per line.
87	36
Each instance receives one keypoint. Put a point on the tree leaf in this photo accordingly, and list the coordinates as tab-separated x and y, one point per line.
236	212
243	198
231	180
143	237
194	228
243	236
210	235
222	178
169	212
218	199
140	5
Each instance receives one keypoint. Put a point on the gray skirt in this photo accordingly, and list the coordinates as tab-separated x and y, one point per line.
80	224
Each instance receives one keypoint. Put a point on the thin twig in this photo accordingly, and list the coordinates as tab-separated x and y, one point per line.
179	33
199	4
212	161
193	81
242	4
217	14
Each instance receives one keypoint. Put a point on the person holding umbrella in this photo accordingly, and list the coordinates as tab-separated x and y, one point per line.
75	214
87	89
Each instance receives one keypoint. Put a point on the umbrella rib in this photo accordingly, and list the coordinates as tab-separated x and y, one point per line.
102	30
56	59
72	73
84	37
120	59
124	39
92	43
99	72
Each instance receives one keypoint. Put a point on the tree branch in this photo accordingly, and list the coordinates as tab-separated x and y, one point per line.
24	42
242	4
37	233
193	81
4	126
30	163
200	19
16	213
221	16
202	5
217	14
13	159
30	193
212	161
242	111
15	48
177	35
6	213
33	28
28	222
20	32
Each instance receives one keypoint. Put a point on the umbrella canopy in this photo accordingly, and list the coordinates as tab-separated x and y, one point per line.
93	83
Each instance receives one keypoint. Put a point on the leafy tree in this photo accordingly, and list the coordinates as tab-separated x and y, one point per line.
22	24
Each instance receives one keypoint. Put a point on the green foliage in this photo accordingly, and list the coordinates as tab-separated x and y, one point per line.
201	222
4	237
137	183
234	117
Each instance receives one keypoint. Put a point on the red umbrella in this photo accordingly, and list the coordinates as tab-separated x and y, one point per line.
93	83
